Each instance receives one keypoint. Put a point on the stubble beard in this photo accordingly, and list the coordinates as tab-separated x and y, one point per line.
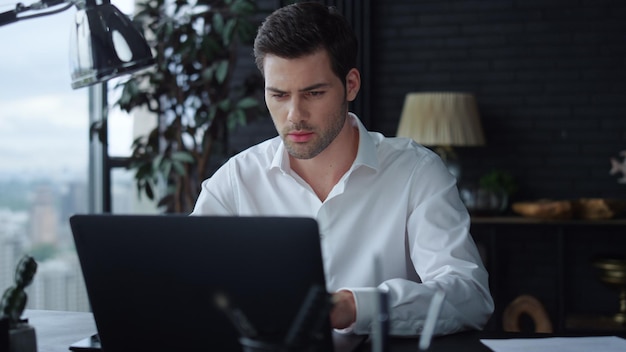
313	148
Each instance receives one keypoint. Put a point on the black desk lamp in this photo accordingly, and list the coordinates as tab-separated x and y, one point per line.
104	42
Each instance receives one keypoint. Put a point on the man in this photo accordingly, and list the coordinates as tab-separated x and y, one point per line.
373	197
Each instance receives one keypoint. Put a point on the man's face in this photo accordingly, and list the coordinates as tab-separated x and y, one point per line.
308	103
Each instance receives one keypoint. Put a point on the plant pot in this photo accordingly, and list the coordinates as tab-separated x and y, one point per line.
484	202
22	339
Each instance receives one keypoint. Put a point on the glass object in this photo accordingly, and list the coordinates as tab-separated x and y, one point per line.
484	202
611	270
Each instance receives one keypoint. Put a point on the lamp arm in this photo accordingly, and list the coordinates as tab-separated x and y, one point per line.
12	15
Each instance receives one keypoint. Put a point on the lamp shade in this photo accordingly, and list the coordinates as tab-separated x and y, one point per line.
104	44
441	119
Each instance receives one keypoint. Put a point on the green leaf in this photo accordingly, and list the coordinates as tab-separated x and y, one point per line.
184	157
167	200
210	46
246	31
222	71
168	29
224	105
212	112
242	7
240	117
179	168
144	170
166	167
497	179
148	189
247	103
129	91
156	162
236	117
97	129
207	74
218	22
230	121
227	34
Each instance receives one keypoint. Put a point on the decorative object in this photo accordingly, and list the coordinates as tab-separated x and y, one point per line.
491	195
526	305
545	209
104	43
193	93
619	167
20	335
442	120
612	272
598	208
582	208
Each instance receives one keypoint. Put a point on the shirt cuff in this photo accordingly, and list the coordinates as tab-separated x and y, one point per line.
365	300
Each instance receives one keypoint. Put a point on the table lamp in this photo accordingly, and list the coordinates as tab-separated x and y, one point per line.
442	120
104	42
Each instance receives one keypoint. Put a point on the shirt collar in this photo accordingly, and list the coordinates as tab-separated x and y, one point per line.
366	154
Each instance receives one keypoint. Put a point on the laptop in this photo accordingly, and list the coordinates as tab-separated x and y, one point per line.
177	282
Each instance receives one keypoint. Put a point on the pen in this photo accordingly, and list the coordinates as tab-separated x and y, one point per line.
236	316
431	319
380	333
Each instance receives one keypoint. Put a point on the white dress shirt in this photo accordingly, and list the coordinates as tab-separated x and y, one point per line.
397	202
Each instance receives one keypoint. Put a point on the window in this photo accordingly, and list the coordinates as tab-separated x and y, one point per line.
122	130
44	158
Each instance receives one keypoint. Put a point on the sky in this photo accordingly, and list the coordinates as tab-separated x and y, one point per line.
44	123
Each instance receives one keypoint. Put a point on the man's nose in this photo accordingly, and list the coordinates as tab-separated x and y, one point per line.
297	111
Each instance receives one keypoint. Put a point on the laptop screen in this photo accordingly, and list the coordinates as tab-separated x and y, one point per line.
176	282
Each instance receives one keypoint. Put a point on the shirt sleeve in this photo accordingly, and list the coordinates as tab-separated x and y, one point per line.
216	195
444	256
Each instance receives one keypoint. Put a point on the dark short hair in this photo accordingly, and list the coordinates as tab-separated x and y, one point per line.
303	28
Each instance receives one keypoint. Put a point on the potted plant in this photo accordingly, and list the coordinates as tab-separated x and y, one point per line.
497	180
17	334
192	91
491	195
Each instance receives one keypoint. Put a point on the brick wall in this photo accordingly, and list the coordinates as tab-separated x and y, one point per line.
549	77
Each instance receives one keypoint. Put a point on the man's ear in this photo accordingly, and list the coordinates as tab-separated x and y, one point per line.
353	84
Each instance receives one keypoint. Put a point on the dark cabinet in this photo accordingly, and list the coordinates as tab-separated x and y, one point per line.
552	261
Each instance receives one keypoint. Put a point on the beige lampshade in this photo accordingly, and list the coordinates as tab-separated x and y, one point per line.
441	119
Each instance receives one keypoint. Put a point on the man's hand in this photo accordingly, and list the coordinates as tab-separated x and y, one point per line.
343	313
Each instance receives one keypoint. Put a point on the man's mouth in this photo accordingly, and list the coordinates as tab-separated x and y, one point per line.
300	136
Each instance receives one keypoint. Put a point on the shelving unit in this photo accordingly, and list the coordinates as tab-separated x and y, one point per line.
550	259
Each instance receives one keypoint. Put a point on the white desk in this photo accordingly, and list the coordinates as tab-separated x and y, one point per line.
56	330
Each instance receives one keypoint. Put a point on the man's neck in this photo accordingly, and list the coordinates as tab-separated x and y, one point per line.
326	169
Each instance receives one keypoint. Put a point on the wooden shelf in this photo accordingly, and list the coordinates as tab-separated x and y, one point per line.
520	220
593	323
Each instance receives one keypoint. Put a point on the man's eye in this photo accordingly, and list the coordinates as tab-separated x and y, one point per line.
316	93
279	95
